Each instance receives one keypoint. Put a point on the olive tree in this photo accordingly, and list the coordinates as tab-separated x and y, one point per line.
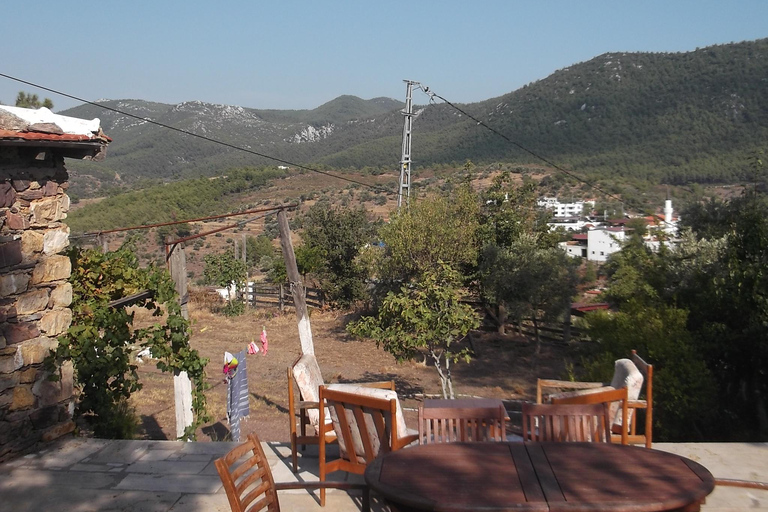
425	318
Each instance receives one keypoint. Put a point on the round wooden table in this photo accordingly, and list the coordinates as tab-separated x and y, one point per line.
458	477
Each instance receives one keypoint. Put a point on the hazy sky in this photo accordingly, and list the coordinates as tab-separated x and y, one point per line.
286	54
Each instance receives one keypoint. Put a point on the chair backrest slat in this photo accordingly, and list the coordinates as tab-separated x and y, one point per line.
565	422
247	479
465	424
367	424
607	399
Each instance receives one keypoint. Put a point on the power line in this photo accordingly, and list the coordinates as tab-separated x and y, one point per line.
426	90
185	221
433	95
203	137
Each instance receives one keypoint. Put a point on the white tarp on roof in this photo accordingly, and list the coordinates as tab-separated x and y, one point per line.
71	125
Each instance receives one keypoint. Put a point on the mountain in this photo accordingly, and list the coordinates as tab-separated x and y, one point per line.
664	117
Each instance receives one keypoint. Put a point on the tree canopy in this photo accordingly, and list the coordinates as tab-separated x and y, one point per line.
27	100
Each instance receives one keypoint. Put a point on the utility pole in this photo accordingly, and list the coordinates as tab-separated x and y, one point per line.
405	159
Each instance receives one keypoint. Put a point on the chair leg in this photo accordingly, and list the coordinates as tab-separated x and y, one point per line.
321	456
366	499
294	455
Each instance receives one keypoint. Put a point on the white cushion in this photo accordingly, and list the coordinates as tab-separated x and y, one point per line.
626	375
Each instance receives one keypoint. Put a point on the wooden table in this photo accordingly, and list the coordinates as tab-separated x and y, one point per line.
567	477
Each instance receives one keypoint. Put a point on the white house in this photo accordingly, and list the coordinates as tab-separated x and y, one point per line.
568	223
559	209
602	242
576	248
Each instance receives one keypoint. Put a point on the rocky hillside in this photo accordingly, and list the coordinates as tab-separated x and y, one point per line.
663	117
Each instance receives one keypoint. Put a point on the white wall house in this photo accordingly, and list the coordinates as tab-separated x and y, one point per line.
559	209
576	248
568	223
602	242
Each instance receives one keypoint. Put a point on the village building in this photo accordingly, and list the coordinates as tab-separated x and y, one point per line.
35	293
573	209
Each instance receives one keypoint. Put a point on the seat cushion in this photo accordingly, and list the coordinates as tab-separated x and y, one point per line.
625	375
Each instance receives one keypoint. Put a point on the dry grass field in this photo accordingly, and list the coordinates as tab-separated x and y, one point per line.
504	367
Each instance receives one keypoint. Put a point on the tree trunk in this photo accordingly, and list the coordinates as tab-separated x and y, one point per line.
536	332
449	380
502	319
297	287
438	367
762	414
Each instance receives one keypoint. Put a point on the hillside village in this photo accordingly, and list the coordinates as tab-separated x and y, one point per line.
595	237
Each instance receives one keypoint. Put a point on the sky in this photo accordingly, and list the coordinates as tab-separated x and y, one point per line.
296	54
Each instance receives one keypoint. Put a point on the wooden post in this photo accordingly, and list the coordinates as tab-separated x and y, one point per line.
104	243
280	297
297	287
182	386
567	325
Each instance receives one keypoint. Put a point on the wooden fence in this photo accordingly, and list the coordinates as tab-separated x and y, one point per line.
547	332
279	296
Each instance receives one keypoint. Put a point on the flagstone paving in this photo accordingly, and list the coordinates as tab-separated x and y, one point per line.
78	474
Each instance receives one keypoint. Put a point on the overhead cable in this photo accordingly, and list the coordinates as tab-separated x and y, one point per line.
203	137
432	95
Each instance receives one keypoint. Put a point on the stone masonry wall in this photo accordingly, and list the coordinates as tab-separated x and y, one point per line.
35	296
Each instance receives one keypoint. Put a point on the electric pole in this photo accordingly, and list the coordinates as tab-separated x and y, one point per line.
405	160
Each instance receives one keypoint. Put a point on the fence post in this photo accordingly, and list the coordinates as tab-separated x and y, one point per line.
182	386
280	300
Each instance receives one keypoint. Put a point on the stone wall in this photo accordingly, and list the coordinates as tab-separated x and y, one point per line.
35	296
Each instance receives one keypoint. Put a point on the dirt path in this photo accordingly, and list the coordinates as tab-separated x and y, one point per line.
504	368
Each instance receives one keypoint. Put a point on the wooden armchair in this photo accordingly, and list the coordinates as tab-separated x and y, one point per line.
616	409
566	423
634	374
304	375
249	485
365	426
465	424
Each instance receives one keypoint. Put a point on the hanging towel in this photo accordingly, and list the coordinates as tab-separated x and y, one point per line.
264	342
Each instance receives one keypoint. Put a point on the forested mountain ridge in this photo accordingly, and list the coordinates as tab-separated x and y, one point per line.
666	117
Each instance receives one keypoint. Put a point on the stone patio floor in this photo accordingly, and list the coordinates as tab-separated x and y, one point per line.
78	474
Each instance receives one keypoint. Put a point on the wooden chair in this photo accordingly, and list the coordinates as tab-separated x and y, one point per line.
647	404
565	423
611	399
305	406
249	485
365	426
643	401
465	424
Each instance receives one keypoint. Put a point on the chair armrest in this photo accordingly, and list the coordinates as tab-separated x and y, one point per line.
749	484
562	384
637	404
405	441
305	404
382	384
